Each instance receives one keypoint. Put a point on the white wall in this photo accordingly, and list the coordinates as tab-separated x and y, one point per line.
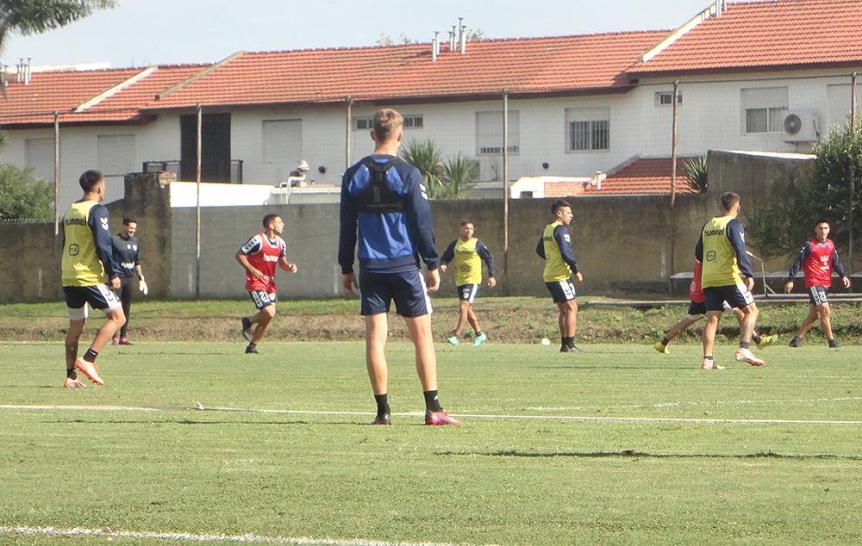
710	117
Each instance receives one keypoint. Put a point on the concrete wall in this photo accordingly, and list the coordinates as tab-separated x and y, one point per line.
623	243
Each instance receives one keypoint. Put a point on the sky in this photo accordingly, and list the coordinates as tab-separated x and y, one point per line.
145	32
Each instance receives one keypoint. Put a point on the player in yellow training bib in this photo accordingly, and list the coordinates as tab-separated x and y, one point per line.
88	261
466	254
727	277
555	247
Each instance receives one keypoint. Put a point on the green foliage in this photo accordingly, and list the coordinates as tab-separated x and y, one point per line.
695	173
834	193
23	196
426	156
458	174
443	180
37	16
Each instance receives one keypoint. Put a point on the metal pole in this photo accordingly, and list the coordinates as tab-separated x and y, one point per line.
852	174
673	183
198	203
506	190
56	173
348	130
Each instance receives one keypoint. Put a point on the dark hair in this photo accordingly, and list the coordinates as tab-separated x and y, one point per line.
269	218
468	221
558	204
727	200
127	221
90	179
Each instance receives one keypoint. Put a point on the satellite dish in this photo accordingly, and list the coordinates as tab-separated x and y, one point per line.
792	124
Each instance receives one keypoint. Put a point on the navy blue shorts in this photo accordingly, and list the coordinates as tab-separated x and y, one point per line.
817	295
262	298
468	292
737	296
377	291
99	297
561	291
696	308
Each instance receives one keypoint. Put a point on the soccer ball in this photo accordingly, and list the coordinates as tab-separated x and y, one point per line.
546	341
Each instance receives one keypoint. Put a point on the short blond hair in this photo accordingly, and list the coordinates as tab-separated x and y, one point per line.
387	122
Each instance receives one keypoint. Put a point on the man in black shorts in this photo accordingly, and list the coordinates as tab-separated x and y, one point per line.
87	262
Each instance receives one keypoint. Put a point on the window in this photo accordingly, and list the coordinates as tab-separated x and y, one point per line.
839	97
282	141
39	155
665	98
367	123
116	154
413	122
489	132
764	109
588	129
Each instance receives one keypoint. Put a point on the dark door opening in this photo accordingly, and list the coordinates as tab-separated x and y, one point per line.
215	147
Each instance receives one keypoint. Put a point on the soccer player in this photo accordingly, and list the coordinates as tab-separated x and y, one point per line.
259	256
555	247
817	259
87	262
465	254
697	309
727	277
385	209
124	246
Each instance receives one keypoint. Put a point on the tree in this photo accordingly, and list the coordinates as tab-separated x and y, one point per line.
695	173
426	156
833	194
23	196
443	180
37	16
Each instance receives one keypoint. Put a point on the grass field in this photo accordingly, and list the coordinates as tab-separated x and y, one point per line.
196	442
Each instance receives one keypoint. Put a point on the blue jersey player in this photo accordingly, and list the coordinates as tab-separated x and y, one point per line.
386	224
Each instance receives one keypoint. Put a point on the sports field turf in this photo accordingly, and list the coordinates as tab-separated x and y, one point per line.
196	442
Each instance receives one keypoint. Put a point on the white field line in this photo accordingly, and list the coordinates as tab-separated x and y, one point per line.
573	418
195	537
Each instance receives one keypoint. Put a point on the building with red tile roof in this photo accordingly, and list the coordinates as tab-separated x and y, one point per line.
766	75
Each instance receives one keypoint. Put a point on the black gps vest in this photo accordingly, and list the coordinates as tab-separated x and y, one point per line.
377	197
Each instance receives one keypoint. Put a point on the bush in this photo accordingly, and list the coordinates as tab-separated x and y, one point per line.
23	196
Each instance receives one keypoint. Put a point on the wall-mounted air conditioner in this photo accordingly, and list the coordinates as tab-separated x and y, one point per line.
801	125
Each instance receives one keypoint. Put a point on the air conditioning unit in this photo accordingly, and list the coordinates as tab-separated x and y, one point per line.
801	126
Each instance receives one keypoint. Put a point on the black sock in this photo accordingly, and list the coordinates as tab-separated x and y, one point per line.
708	357
744	345
756	338
432	402
569	341
382	404
72	374
665	341
90	355
478	333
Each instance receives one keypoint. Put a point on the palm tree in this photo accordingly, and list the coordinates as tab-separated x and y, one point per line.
426	156
458	175
37	16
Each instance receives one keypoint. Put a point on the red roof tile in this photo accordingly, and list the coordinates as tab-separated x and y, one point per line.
644	176
34	104
569	64
766	34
